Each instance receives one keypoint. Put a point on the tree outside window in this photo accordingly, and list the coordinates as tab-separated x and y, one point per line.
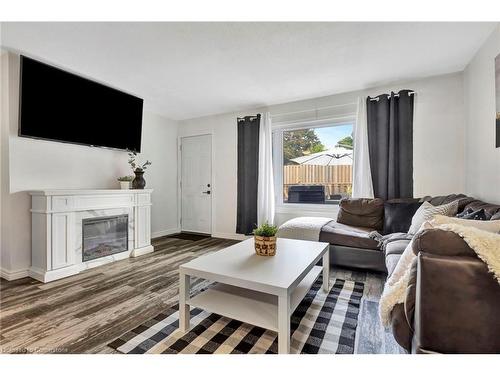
317	164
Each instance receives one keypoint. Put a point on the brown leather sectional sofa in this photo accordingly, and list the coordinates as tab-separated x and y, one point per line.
452	303
349	235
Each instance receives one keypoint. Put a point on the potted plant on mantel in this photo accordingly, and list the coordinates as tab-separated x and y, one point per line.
138	182
265	239
125	182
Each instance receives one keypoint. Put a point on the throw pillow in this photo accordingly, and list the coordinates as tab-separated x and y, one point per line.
398	215
489	225
427	211
465	212
477	215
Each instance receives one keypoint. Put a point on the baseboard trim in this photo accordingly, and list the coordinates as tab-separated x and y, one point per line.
13	275
141	251
230	236
48	276
166	232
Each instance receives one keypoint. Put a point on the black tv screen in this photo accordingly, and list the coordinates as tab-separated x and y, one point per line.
60	106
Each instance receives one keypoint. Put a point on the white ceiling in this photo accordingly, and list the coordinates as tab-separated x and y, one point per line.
186	70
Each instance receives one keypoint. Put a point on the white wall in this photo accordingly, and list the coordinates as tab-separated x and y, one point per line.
482	158
438	141
159	144
37	164
4	151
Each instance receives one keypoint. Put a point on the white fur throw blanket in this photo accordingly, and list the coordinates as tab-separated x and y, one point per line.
303	228
485	244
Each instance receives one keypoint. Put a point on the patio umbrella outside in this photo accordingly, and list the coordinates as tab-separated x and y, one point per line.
334	156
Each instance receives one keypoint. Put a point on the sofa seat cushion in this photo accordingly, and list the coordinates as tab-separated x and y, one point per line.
391	262
346	235
396	247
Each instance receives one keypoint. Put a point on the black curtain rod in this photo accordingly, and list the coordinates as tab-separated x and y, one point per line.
376	99
250	117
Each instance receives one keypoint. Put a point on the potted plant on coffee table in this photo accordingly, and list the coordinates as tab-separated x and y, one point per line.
125	182
265	239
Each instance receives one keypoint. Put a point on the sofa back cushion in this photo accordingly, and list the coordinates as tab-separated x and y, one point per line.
362	212
492	210
398	215
463	200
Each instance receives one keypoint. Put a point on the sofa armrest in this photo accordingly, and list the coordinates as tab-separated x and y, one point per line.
441	242
402	314
457	306
411	292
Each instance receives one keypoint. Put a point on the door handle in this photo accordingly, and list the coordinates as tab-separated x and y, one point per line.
206	192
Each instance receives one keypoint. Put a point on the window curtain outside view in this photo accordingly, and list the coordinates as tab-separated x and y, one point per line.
317	164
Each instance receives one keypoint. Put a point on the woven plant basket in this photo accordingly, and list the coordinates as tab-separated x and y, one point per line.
265	246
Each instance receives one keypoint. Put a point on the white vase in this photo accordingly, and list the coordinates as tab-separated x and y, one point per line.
125	185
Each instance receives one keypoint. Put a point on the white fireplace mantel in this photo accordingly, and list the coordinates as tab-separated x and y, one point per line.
57	215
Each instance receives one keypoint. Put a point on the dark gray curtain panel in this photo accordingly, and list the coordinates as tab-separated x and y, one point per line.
248	173
390	144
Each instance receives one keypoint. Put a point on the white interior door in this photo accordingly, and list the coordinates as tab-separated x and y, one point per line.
196	184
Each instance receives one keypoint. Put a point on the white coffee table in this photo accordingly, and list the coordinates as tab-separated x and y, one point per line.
263	291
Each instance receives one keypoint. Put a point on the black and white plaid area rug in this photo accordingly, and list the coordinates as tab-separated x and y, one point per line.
321	324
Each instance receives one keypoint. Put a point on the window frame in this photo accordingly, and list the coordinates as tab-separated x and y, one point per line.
277	130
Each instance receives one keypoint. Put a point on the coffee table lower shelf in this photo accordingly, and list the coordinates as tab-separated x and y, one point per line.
256	308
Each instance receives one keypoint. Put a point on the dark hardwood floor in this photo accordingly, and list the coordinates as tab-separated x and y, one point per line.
82	313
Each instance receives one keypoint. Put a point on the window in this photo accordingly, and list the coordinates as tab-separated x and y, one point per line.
313	163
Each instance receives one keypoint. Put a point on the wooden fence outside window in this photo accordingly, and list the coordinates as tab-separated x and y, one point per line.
337	179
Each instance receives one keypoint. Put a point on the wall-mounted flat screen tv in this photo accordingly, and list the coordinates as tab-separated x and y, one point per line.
60	106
